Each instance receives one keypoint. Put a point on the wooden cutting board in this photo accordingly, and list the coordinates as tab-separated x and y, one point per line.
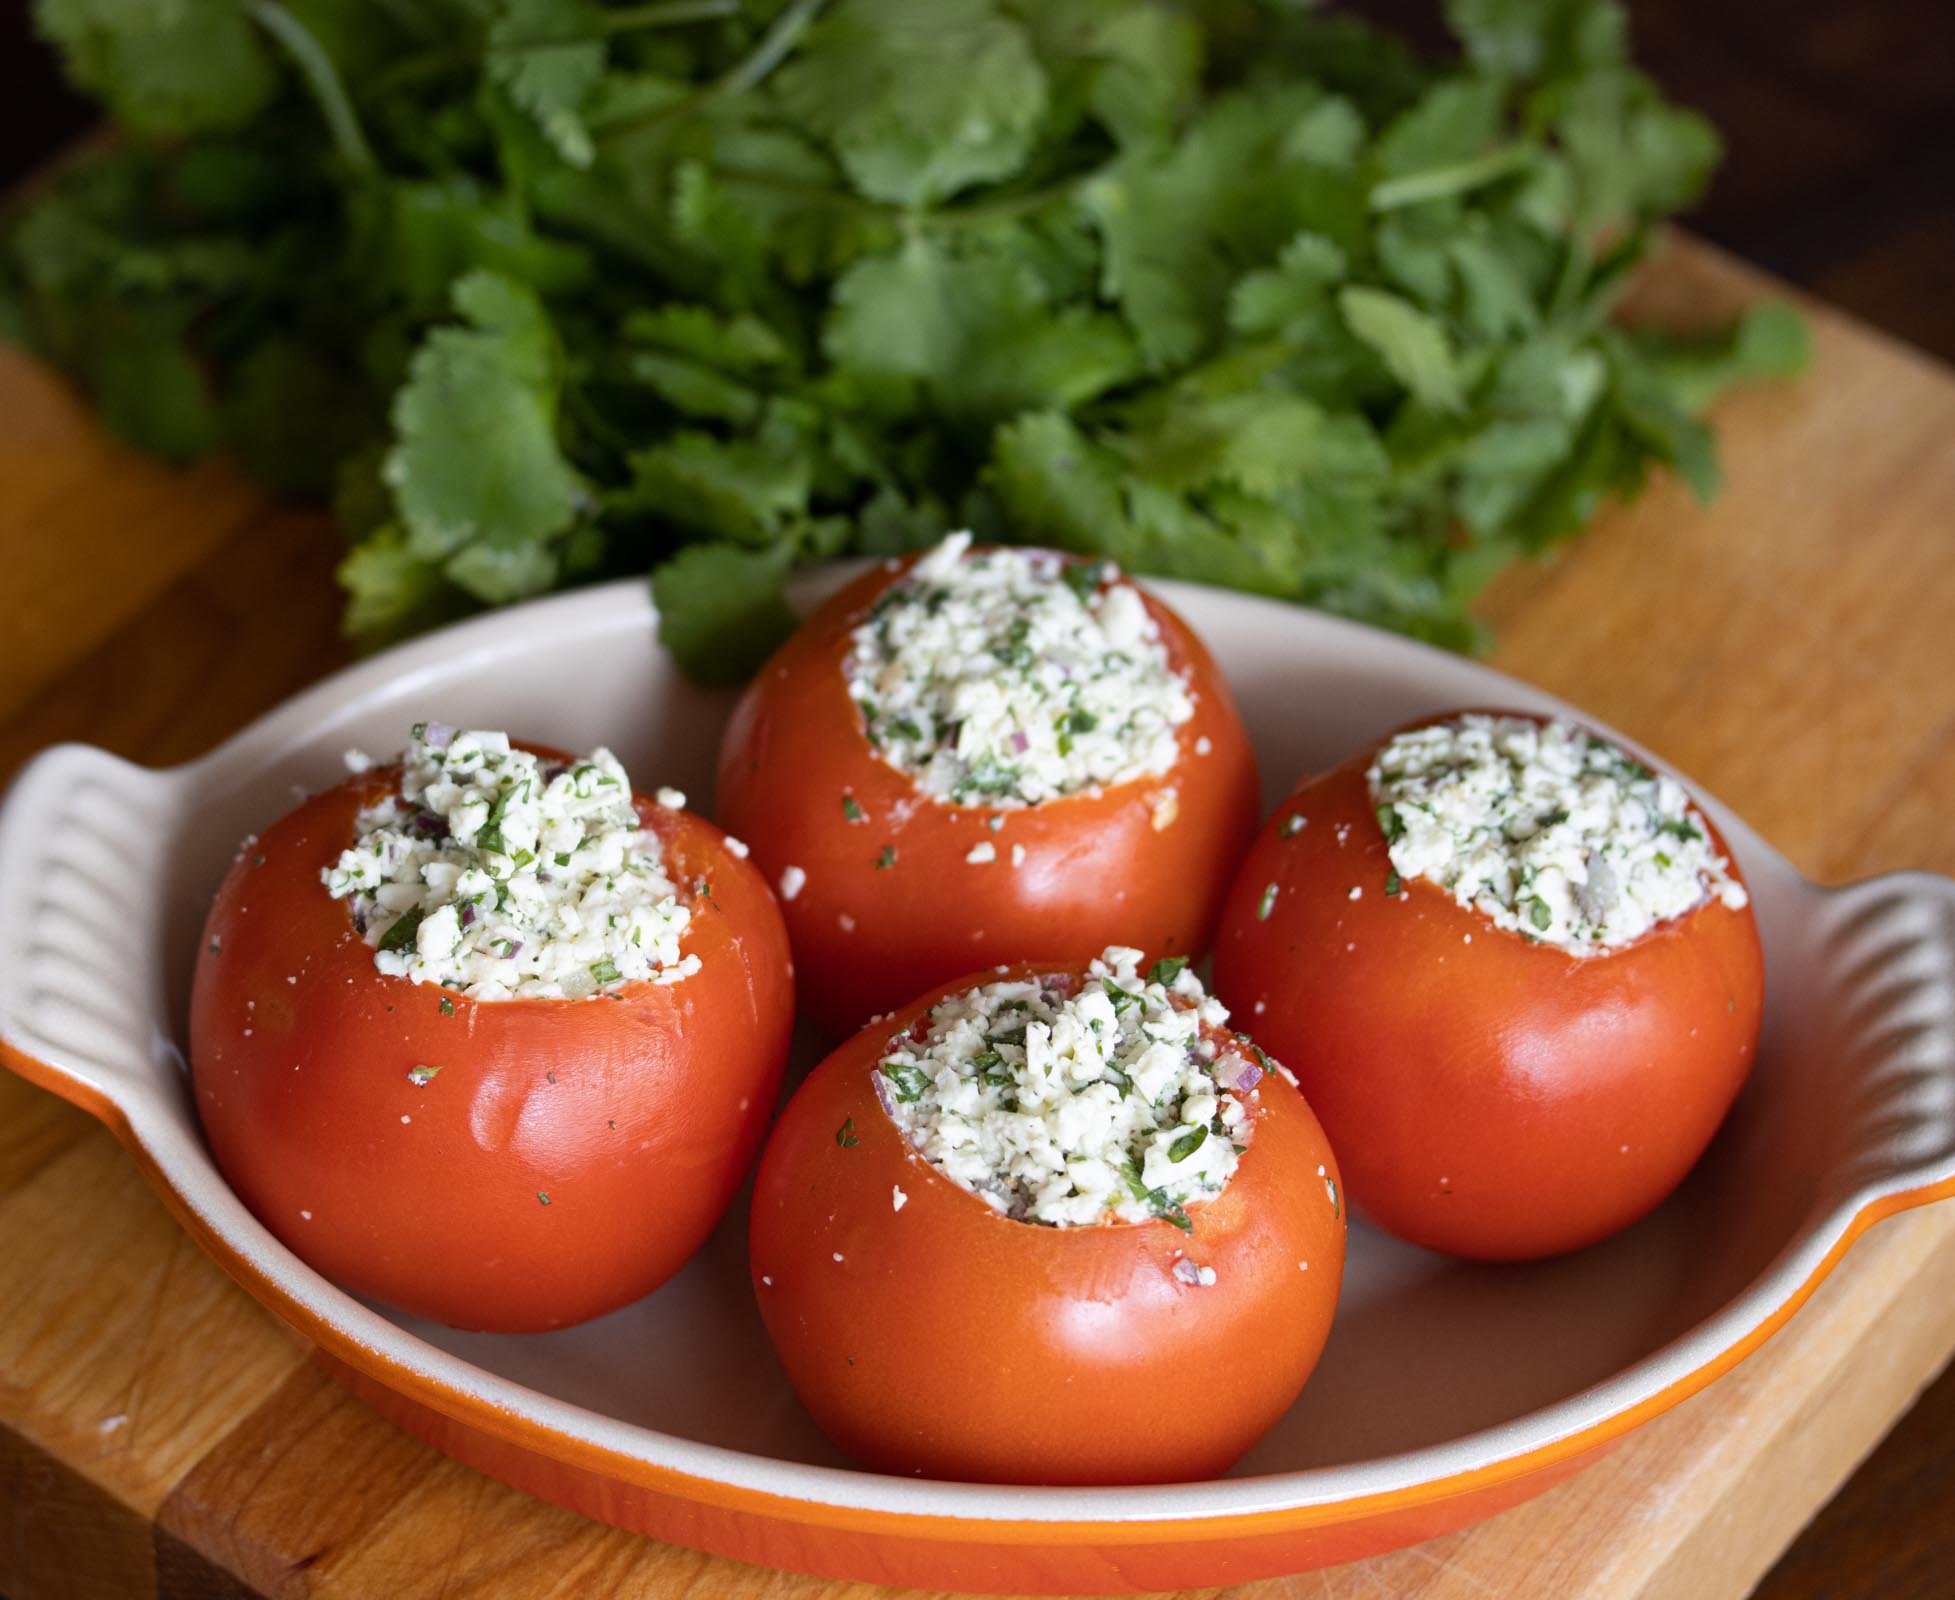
1790	648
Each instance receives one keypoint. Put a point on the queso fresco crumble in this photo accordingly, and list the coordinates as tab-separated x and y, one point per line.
1070	1102
1552	832
1008	677
506	877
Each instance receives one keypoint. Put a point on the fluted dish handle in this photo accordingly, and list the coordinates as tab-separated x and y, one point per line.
1884	1013
86	841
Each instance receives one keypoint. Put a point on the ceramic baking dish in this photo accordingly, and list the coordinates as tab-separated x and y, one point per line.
1448	1391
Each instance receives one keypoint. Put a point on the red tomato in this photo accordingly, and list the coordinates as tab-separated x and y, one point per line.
890	905
568	1155
948	1340
1488	1096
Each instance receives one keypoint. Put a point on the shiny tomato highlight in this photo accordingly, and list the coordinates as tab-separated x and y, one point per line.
1487	1096
557	1159
939	1337
885	901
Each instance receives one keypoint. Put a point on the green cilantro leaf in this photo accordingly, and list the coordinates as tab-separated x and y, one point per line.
1531	39
501	576
704	365
391	592
1448	130
1412	344
417	237
749	488
919	98
1138	68
1292	298
544	54
1255	170
476	456
974	330
164	66
721	609
543	291
1769	342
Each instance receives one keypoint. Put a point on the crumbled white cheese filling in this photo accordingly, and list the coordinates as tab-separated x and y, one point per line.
1008	677
503	876
1068	1102
1552	832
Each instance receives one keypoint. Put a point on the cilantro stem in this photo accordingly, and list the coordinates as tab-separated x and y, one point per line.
664	14
782	35
605	25
1003	207
1576	263
1436	183
772	50
624	19
998	208
322	79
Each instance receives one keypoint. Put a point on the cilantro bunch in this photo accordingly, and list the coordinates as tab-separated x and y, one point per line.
546	290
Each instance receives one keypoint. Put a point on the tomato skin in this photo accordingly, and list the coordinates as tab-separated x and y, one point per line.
637	1117
953	1342
1493	1099
1097	869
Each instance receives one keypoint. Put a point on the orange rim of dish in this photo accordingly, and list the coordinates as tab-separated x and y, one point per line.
538	1439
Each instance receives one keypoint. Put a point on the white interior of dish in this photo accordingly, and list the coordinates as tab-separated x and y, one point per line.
1433	1367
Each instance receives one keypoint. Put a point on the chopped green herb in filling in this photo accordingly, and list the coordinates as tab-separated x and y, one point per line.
1069	1102
910	1080
499	874
1552	832
1008	677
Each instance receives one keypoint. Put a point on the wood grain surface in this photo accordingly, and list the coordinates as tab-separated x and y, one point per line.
1789	648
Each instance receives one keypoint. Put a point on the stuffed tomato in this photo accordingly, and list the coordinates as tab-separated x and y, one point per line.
1515	970
1049	1226
986	755
488	1037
